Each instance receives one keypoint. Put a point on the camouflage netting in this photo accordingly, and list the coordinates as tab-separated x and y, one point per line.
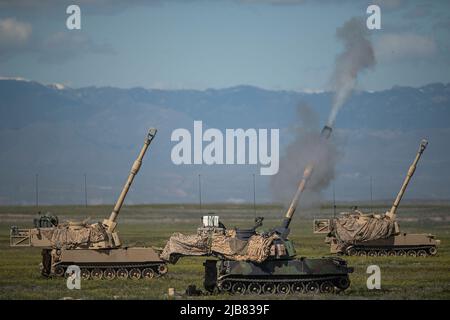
360	228
219	243
66	236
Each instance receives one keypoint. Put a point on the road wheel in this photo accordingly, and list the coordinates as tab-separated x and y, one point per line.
226	285
382	253
85	274
298	287
326	287
122	273
352	252
283	288
432	251
238	288
391	253
372	253
362	253
422	253
411	253
401	253
162	269
269	288
254	288
148	273
135	274
109	274
343	283
96	274
312	287
59	271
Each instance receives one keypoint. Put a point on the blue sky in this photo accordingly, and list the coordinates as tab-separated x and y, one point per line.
284	44
274	44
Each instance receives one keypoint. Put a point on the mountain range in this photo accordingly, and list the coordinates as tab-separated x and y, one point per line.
62	134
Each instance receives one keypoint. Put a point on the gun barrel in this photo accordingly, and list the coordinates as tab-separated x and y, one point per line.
111	222
391	214
301	187
325	134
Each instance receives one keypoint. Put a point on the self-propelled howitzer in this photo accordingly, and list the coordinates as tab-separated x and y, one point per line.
95	248
281	272
356	233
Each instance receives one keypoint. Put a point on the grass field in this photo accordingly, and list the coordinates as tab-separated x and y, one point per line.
401	277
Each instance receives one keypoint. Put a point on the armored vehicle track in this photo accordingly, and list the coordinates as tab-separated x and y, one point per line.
118	271
410	251
283	285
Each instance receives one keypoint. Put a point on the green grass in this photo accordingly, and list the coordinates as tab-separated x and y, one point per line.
402	277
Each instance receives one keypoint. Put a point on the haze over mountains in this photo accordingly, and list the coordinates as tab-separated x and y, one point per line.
63	133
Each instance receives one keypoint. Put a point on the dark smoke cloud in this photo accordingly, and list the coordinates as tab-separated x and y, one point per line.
357	56
307	147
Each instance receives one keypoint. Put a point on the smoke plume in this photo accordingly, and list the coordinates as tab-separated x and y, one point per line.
357	56
307	147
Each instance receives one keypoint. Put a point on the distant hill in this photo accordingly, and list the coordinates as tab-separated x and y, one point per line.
62	133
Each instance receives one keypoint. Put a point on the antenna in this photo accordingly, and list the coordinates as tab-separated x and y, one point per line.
371	193
200	191
85	190
254	196
37	189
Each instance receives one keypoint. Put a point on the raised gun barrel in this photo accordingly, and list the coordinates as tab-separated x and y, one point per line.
392	213
111	222
284	230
